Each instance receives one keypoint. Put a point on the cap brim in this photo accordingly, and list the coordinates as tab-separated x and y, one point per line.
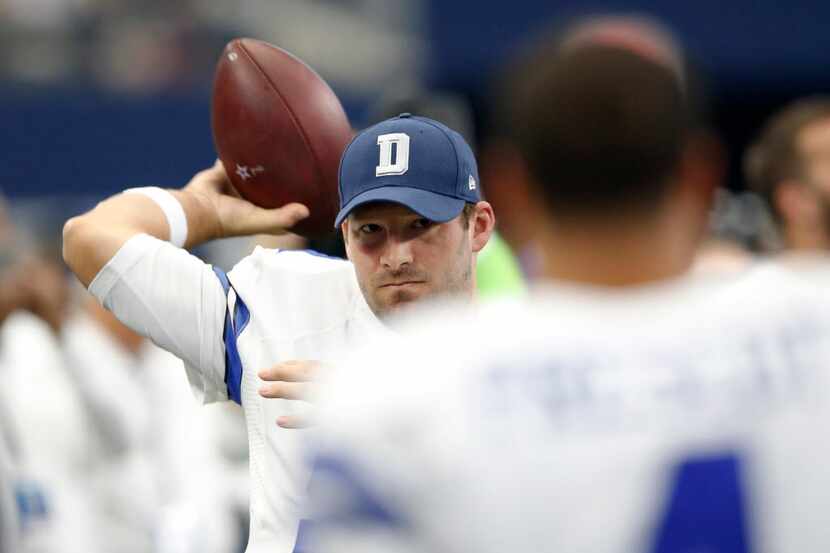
435	207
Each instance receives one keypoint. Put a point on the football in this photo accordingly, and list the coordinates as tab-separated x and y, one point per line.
279	130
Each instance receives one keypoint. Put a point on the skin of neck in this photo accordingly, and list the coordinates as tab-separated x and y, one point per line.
651	244
625	250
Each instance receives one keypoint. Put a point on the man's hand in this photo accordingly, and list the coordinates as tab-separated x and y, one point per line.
291	380
234	216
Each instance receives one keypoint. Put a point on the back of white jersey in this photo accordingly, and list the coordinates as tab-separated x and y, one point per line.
692	417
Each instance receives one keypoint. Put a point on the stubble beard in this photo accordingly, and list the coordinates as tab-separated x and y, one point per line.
457	284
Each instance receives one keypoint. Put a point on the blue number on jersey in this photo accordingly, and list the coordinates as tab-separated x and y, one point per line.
705	509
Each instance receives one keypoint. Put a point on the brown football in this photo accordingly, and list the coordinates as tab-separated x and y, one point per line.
279	131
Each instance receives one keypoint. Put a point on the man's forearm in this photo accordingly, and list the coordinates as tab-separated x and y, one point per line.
92	239
212	209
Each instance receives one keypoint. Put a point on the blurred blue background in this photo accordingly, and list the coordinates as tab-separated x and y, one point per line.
97	96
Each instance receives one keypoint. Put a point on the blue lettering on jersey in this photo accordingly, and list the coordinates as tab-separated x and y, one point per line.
233	328
303	531
355	506
705	510
31	503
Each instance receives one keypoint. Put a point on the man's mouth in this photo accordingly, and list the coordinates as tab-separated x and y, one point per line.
401	283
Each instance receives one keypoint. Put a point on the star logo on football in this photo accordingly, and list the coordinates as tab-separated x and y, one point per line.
243	172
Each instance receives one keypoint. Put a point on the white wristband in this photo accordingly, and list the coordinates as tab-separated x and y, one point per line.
173	211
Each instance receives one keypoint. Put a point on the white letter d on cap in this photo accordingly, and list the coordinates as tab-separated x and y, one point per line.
386	167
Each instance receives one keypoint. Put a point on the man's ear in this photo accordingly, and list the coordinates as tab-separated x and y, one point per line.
344	228
482	223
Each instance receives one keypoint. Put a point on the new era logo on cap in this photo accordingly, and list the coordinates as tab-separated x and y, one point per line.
414	161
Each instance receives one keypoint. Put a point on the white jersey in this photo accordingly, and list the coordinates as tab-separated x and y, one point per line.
691	416
273	306
9	519
44	413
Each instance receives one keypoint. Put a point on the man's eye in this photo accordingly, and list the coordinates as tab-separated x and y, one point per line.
369	228
422	223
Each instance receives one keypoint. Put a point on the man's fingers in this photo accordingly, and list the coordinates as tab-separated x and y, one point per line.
284	390
213	179
291	371
290	421
285	217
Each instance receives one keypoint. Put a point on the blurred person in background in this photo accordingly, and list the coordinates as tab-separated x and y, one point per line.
9	456
43	422
102	358
740	230
789	166
626	405
133	480
9	519
152	449
411	236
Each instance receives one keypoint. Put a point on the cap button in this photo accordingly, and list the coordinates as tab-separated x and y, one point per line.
405	115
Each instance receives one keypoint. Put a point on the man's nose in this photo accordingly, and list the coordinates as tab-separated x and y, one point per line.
398	255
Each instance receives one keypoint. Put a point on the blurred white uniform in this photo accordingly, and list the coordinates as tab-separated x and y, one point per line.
689	416
121	476
9	519
273	306
50	425
153	448
194	445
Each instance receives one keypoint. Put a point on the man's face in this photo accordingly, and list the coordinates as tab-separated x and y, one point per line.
401	257
814	148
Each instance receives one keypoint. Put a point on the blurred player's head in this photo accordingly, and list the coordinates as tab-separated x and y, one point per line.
411	212
789	166
612	146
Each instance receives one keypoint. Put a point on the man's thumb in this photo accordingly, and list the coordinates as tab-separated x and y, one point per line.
291	214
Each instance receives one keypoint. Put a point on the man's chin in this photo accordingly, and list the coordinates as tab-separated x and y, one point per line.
398	302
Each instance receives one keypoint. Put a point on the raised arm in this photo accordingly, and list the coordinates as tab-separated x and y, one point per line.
119	251
210	205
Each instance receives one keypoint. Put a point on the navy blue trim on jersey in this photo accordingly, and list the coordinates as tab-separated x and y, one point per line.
233	328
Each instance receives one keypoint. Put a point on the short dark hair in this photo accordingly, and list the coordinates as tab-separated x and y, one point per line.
601	128
466	214
774	156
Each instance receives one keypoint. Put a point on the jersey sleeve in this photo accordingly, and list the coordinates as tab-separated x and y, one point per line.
174	299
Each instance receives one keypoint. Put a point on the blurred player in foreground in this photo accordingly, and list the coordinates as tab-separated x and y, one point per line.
627	406
412	220
789	165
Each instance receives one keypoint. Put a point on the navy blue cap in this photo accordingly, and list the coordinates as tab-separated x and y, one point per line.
413	161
